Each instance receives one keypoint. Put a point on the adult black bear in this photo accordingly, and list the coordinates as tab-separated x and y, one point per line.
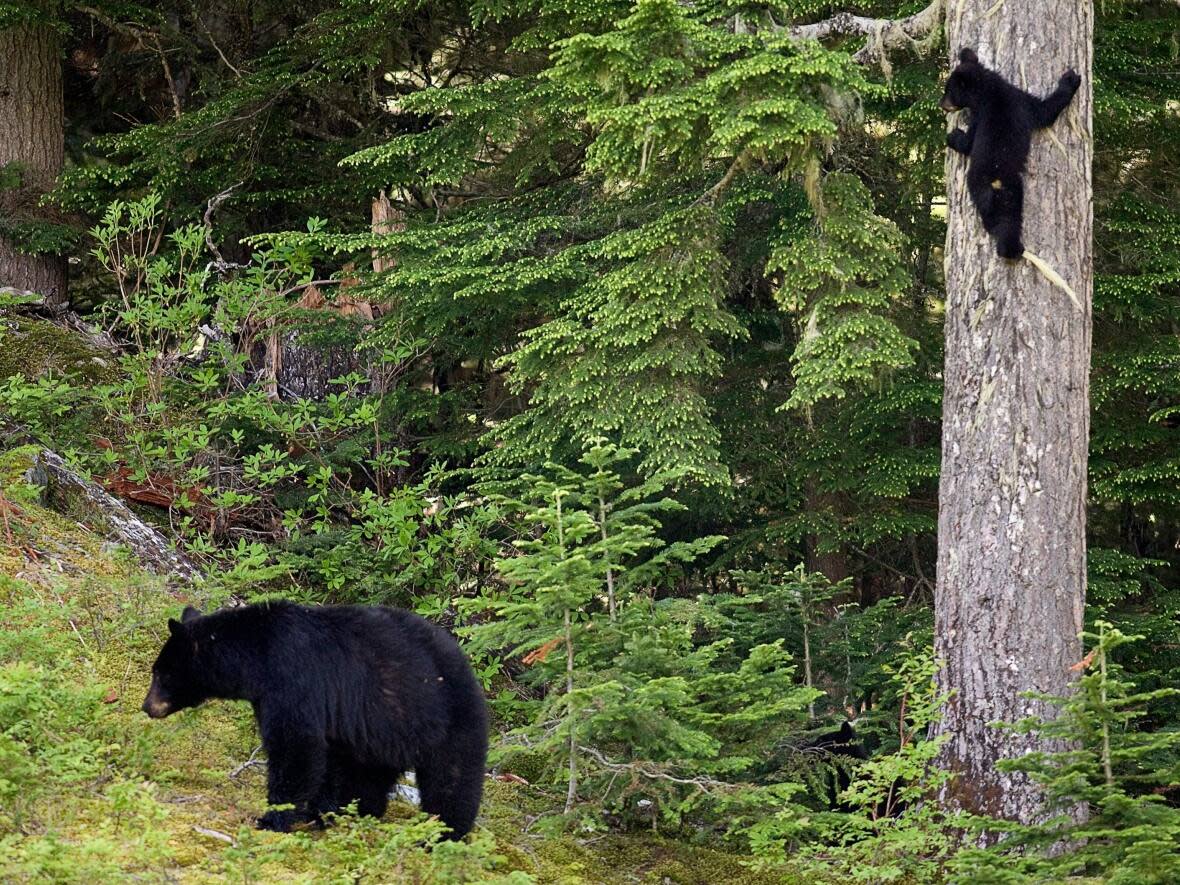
998	139
347	699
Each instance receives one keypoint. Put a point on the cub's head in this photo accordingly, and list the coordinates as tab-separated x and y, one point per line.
963	84
176	680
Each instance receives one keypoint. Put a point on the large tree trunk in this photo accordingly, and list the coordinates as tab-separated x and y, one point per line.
32	138
1011	527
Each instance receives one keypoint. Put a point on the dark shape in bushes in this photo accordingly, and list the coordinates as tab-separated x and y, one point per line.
837	747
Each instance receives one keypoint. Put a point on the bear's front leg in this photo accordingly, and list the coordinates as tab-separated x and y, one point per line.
1048	109
296	765
961	141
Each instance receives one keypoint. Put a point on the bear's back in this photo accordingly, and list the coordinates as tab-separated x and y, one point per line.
382	676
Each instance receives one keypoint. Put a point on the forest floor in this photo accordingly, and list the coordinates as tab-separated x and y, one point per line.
92	790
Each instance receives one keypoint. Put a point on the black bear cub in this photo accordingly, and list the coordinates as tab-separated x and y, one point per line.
835	746
347	699
998	139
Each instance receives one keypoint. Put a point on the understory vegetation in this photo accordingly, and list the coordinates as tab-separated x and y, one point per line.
626	699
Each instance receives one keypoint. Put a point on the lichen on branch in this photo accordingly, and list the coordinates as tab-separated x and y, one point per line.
885	34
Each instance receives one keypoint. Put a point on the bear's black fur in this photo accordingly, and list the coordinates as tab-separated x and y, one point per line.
347	699
834	747
998	139
843	750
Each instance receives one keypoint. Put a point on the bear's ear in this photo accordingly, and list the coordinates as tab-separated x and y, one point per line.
175	627
968	56
846	733
188	614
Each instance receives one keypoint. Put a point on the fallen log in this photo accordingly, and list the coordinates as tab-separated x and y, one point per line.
68	492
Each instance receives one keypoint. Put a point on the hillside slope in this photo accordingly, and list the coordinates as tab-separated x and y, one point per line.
92	790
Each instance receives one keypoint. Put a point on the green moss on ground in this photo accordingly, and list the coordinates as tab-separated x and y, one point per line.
123	797
32	347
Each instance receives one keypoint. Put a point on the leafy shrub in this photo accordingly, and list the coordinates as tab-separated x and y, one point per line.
362	848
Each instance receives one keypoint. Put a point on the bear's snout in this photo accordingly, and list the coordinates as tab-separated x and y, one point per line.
154	705
155	709
948	104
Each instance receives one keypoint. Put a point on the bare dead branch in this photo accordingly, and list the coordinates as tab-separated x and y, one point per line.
885	34
219	263
252	762
214	834
177	112
713	193
655	772
209	36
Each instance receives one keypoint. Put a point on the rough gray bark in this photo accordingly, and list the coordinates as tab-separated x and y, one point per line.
306	370
291	369
298	370
71	493
32	136
1011	528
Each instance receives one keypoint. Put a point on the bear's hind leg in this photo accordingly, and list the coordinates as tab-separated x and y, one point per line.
1000	202
1008	218
368	786
451	786
373	794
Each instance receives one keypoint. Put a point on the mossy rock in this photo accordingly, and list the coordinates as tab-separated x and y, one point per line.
32	347
16	465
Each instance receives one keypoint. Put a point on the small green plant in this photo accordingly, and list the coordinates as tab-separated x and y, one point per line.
40	745
888	833
797	594
638	705
161	296
357	848
37	403
580	531
1106	820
